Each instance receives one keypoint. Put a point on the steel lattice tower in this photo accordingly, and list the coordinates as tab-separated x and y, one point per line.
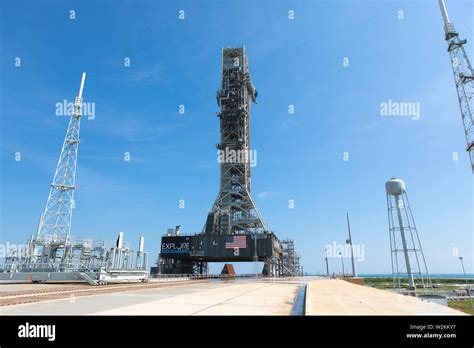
56	218
408	260
463	78
291	259
234	211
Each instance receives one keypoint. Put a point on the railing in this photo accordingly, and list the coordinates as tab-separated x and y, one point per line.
46	267
188	276
203	276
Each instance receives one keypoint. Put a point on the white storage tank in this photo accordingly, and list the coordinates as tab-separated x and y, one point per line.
395	187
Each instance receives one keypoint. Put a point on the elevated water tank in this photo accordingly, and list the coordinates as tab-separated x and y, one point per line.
395	187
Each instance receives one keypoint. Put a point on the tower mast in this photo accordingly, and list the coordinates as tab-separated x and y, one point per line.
234	211
56	218
463	78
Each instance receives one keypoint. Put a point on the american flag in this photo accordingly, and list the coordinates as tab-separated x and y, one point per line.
237	242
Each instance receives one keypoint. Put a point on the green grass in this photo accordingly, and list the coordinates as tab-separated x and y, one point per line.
381	285
449	287
466	306
444	285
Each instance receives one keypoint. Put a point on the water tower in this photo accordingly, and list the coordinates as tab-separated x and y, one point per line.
408	261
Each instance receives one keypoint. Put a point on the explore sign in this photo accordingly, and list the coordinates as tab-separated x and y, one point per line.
175	245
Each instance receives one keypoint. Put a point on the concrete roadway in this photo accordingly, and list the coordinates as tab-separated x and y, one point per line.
238	297
338	297
215	297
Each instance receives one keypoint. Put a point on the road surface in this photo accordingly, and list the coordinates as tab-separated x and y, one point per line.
338	297
214	297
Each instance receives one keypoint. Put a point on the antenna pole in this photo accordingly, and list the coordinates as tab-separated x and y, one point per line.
82	85
444	12
354	274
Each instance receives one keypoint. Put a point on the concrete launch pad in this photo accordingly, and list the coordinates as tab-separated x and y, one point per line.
338	297
213	297
239	296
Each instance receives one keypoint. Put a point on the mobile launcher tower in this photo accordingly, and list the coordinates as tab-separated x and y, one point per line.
408	260
234	229
53	254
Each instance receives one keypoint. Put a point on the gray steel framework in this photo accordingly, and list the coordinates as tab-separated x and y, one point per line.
93	261
463	78
56	218
234	211
290	259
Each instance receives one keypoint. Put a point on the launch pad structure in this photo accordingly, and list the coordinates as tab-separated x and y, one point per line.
53	254
234	228
291	259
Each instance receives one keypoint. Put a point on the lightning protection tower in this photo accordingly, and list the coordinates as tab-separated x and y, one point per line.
55	221
408	261
463	78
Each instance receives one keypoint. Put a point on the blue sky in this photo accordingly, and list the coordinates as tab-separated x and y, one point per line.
300	156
